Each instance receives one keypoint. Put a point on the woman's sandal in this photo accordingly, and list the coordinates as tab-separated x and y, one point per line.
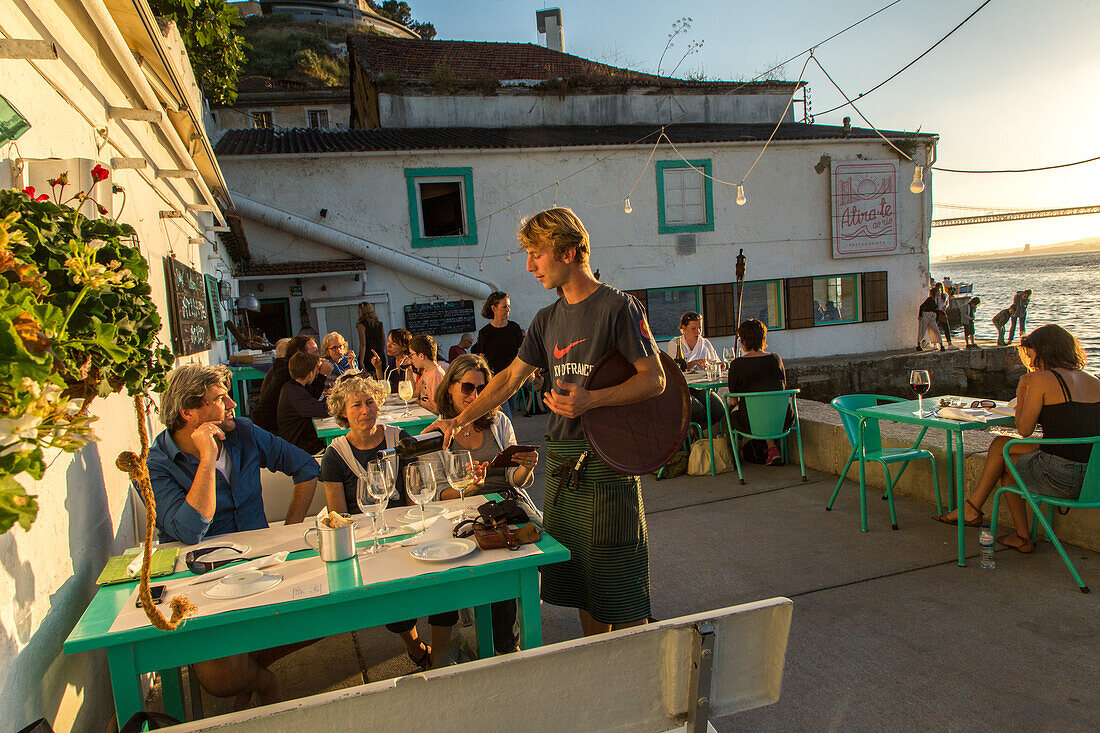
977	522
424	660
1026	546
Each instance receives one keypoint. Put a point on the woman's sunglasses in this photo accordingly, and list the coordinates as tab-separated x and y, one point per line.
468	389
982	403
198	567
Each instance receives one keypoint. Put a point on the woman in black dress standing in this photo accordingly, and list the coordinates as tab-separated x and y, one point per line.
499	341
757	370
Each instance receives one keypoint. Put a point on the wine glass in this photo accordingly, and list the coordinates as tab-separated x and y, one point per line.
405	392
461	473
371	509
379	488
728	355
385	470
420	486
384	388
920	382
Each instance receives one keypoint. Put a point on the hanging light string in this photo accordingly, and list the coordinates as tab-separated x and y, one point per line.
861	115
1021	170
695	110
629	193
918	58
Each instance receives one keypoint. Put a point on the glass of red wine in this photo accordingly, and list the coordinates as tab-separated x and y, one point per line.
920	382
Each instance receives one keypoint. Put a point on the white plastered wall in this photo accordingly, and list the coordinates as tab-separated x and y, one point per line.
48	573
785	228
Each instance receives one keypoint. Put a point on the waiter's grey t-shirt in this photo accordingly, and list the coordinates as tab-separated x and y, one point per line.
566	340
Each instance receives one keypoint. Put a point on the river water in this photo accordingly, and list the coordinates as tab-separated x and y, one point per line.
1065	290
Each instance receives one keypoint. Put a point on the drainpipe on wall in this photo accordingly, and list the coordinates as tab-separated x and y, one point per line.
359	247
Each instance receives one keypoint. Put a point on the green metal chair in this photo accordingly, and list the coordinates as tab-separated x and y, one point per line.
1089	498
866	439
767	413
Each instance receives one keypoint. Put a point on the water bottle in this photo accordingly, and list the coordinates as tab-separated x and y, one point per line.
985	540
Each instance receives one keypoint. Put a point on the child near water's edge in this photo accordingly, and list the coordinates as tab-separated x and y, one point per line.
968	324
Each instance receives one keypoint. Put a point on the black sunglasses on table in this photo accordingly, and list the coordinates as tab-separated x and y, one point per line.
198	567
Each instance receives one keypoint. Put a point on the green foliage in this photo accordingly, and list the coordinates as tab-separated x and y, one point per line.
76	321
216	49
402	13
296	52
442	79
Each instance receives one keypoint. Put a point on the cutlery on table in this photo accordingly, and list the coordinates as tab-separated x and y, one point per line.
258	563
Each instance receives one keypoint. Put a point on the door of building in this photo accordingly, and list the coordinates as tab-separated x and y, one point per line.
273	319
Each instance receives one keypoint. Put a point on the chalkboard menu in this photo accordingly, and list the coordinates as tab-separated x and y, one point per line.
214	305
457	316
187	312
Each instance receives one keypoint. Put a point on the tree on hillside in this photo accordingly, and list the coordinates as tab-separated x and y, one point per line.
216	49
402	13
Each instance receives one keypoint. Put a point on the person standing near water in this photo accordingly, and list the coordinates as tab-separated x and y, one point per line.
1020	302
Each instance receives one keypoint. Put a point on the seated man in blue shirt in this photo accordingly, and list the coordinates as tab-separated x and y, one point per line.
205	472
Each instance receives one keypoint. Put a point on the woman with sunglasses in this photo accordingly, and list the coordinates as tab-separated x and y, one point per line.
354	402
1057	394
484	438
487	436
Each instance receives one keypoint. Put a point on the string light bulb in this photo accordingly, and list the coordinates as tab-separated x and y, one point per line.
508	256
626	206
741	195
917	186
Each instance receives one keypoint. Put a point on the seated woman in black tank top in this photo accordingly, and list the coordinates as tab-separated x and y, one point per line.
1059	395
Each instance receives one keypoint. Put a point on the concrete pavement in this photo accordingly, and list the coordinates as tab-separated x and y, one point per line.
887	631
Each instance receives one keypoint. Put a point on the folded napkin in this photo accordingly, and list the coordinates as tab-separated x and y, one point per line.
437	527
966	414
257	564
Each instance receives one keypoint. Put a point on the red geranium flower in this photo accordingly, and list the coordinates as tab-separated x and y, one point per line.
99	173
29	190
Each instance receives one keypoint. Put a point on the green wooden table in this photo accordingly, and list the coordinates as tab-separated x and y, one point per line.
349	605
241	376
906	412
392	413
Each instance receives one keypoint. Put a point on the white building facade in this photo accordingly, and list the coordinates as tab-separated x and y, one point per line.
676	248
114	63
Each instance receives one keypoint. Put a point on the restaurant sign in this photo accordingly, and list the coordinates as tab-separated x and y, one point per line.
865	214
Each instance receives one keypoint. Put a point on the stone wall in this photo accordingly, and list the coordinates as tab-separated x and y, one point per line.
987	372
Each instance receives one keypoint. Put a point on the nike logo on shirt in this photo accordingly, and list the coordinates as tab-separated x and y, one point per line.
560	353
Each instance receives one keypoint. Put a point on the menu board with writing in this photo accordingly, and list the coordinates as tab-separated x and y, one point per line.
456	316
188	315
214	305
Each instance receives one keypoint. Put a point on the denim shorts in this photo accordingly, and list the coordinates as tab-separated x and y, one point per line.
1051	475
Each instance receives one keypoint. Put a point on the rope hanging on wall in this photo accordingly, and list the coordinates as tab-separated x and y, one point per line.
135	467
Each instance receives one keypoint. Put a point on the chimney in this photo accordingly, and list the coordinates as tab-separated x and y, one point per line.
549	22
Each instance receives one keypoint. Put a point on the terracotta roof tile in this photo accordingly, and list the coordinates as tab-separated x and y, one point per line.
268	141
258	269
472	61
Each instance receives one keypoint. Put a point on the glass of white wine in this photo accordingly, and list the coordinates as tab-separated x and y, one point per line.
369	507
461	473
420	486
405	392
384	467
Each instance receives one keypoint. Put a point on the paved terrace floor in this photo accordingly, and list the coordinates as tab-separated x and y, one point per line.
887	631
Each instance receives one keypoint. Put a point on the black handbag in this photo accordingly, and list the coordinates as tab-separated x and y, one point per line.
507	510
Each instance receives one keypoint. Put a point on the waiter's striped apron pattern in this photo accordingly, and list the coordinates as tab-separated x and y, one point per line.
601	520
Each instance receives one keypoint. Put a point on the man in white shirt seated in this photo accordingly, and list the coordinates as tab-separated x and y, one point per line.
696	350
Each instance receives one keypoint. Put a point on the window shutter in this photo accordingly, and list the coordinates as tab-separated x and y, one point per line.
800	302
719	309
875	297
642	298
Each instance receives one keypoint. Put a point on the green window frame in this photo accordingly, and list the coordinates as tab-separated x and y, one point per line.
824	290
772	288
414	177
664	226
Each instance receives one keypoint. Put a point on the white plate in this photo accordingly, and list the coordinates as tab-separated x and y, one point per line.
413	515
243	584
231	551
442	550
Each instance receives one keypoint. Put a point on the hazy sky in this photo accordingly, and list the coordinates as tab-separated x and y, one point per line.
1013	88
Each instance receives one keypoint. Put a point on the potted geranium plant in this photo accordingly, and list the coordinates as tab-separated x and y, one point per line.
76	321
